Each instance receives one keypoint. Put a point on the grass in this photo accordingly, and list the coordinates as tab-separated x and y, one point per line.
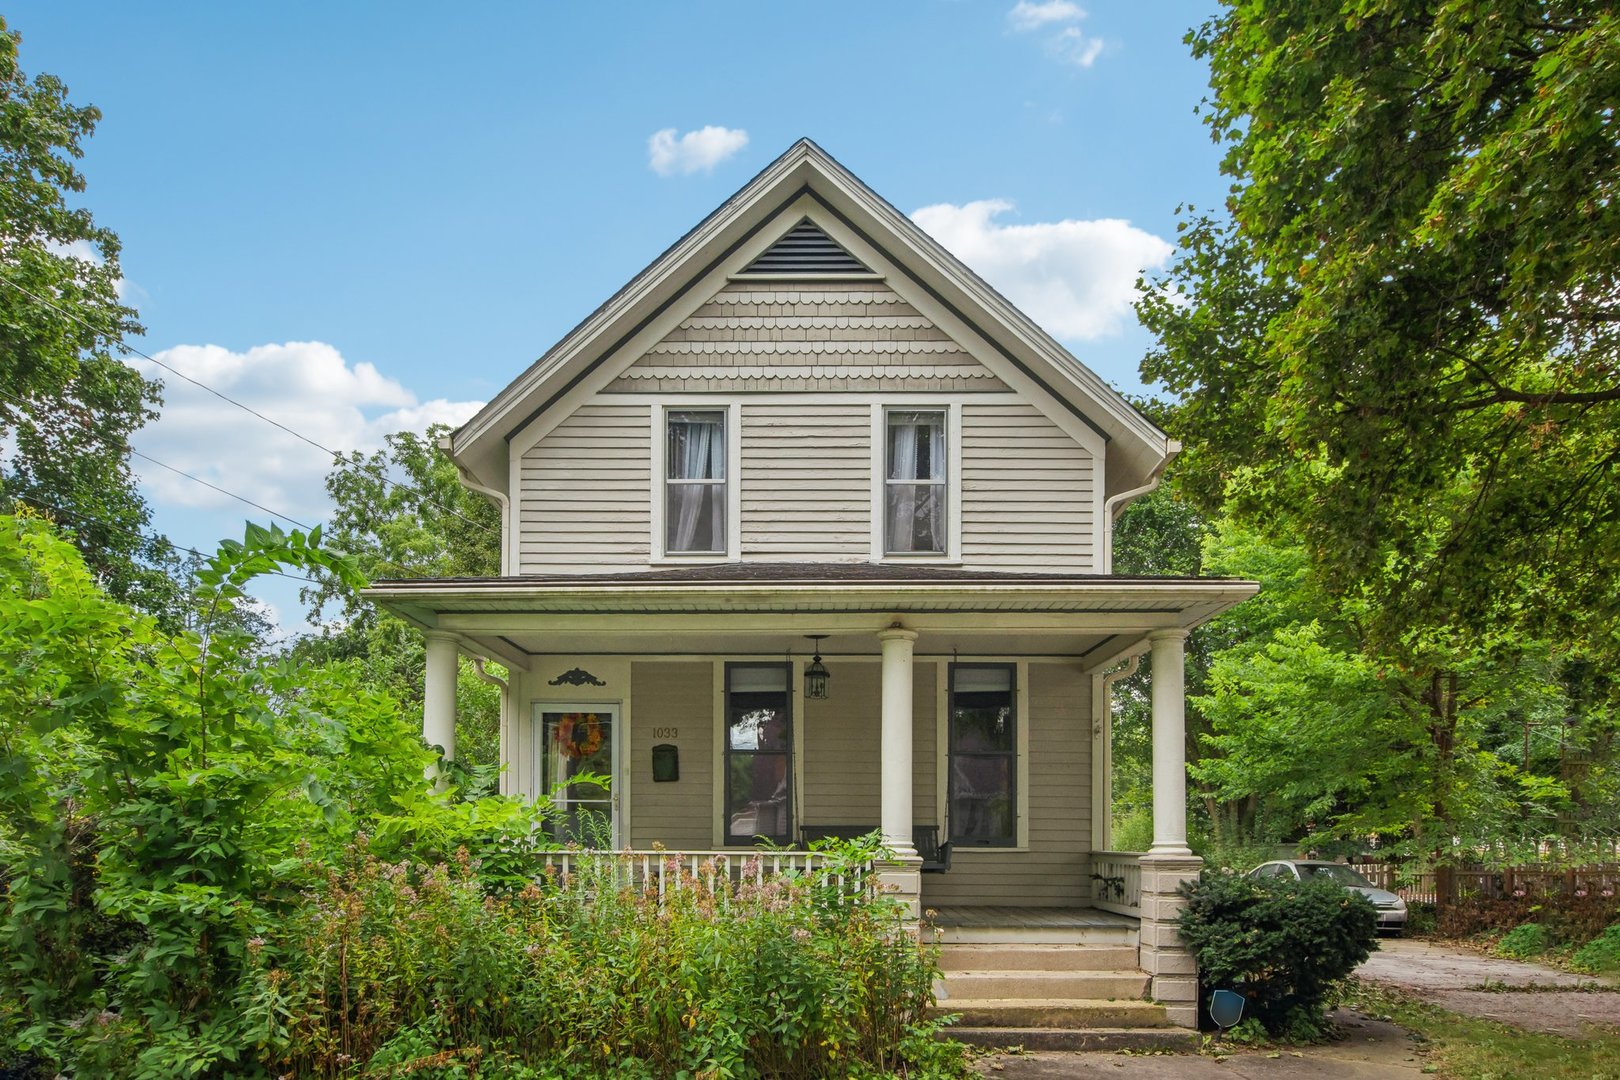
1464	1048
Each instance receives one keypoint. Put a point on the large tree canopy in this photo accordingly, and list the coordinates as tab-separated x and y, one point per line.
1400	339
67	403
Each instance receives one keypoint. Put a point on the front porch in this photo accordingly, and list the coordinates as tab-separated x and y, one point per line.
965	708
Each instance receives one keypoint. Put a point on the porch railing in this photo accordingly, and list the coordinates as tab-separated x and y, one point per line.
668	871
1116	882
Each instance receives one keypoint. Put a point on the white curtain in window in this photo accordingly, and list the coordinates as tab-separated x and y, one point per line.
696	452
916	510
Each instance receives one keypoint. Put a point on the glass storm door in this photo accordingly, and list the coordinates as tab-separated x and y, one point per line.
578	741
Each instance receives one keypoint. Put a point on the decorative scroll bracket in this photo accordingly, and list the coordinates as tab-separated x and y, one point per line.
576	677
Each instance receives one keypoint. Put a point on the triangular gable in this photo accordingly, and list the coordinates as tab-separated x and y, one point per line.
806	183
806	251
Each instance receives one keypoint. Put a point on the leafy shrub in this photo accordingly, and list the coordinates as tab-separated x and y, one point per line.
1567	918
390	963
1280	943
1601	955
163	795
1524	941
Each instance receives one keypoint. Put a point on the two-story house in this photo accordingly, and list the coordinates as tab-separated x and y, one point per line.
805	531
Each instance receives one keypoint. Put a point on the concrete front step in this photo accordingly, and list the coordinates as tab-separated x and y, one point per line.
1038	986
1037	957
1180	1040
1063	1013
1115	936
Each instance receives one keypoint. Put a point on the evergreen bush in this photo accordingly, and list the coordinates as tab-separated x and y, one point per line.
1280	943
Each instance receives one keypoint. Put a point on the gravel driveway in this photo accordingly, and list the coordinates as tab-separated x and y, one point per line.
1531	996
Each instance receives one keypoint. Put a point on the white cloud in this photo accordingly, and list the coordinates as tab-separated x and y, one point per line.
1077	279
696	151
306	385
1028	16
1076	47
1070	44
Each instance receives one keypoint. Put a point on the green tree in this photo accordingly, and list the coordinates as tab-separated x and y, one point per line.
67	403
1404	325
165	798
1343	742
403	512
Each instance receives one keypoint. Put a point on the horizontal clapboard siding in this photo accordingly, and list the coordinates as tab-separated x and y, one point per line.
1055	871
678	814
806	481
842	767
1027	492
585	493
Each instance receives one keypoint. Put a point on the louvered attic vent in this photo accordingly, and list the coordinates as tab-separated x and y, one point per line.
806	251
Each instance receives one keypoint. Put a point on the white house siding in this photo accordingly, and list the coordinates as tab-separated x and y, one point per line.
1054	871
678	814
1027	492
585	494
813	336
842	766
806	481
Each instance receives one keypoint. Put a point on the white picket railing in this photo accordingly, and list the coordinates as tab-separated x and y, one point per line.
1116	882
665	871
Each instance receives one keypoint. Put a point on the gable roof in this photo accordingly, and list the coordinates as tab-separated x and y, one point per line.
806	176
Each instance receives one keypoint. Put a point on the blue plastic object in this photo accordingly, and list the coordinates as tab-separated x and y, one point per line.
1226	1007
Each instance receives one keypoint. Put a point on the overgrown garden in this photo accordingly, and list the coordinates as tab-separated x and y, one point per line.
217	862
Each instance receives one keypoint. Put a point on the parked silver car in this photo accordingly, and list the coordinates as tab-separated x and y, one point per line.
1391	908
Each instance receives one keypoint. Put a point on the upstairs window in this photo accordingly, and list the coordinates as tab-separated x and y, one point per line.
983	755
695	483
914	483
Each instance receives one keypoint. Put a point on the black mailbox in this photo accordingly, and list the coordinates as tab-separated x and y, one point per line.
666	763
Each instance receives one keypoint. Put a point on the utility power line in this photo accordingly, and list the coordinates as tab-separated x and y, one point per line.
215	487
222	491
333	454
163	540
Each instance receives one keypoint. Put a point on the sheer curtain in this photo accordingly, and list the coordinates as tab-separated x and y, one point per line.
916	488
696	510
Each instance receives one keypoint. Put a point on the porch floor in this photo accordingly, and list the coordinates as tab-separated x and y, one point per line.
1032	918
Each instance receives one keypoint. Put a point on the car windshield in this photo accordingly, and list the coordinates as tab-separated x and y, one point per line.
1337	872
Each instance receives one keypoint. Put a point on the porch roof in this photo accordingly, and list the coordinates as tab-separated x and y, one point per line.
762	606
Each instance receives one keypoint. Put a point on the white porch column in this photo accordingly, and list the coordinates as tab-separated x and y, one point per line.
439	692
899	876
896	746
1169	862
1169	742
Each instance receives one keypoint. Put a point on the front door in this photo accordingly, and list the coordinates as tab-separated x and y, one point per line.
576	743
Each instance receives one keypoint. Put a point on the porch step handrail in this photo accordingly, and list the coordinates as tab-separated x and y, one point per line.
1116	882
666	870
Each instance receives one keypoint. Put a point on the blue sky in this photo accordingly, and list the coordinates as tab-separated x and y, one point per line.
421	199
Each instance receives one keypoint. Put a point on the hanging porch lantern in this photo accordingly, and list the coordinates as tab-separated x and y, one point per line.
816	676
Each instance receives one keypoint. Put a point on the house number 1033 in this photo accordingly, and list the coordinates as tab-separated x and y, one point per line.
666	732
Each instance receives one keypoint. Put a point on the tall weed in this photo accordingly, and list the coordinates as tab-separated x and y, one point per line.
580	975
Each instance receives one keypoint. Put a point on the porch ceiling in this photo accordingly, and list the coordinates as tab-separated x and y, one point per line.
767	610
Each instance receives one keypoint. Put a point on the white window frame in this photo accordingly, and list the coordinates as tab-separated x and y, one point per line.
732	414
952	411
